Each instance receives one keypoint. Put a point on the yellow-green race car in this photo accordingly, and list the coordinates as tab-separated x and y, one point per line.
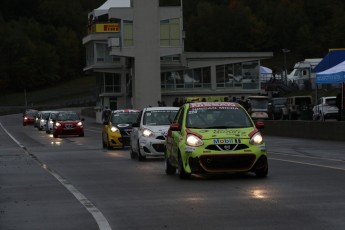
214	137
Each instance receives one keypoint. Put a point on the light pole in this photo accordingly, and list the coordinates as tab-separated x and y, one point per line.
285	69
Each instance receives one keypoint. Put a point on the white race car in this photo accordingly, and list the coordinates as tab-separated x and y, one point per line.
149	132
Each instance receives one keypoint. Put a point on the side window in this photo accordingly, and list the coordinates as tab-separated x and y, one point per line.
139	117
180	116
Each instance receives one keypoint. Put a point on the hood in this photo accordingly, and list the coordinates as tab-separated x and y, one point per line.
224	133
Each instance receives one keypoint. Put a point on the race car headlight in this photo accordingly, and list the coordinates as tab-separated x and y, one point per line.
256	139
79	123
42	120
147	133
114	129
193	140
57	124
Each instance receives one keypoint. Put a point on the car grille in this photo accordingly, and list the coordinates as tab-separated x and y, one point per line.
127	132
226	147
160	138
227	162
158	147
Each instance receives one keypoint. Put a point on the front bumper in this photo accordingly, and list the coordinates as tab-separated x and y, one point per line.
224	158
118	140
151	147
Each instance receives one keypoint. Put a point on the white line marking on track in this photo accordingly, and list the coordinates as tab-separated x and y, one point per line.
90	207
311	164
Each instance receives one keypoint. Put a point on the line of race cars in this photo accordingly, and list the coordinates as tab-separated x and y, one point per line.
59	123
199	137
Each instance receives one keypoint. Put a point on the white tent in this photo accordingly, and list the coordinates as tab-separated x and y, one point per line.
103	9
265	74
265	70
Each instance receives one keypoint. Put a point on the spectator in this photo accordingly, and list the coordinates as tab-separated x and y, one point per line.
176	103
244	102
105	113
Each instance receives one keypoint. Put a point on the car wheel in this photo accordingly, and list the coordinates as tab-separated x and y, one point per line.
104	145
55	135
132	153
81	135
140	157
261	172
169	169
181	172
107	143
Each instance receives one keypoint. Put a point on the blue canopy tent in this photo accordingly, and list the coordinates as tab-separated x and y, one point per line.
336	74
333	58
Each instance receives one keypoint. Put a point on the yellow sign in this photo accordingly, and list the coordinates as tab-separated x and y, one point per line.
107	28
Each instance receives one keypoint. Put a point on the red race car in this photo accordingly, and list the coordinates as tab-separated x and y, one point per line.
68	123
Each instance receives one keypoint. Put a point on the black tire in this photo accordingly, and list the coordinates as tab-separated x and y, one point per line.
108	144
140	157
169	169
181	172
262	172
103	143
132	154
55	135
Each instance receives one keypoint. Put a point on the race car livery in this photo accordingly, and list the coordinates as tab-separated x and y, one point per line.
214	137
149	132
117	128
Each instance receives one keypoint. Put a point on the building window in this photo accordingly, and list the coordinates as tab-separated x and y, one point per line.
170	34
112	83
128	33
102	53
239	75
90	54
188	79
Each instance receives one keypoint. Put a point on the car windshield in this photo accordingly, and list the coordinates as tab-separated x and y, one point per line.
67	117
331	101
45	115
31	113
159	117
258	104
280	101
124	118
217	117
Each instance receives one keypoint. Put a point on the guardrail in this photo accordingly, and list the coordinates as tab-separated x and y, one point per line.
329	130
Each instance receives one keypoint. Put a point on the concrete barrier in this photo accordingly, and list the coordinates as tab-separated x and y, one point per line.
329	130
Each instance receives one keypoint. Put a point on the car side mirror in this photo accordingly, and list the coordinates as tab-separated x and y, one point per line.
175	127
259	124
105	123
83	119
135	124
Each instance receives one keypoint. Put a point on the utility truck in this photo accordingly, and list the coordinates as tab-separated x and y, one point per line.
302	76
